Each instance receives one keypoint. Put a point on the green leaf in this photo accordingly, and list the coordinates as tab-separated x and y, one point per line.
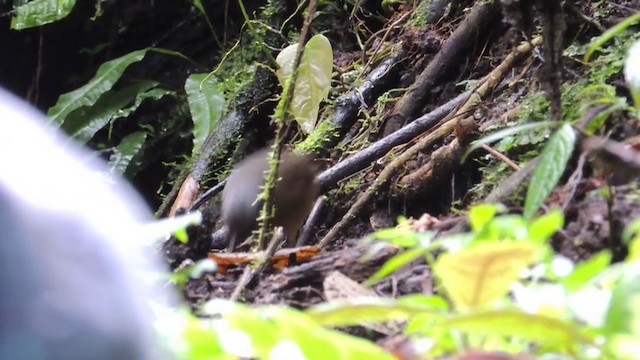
87	95
181	275
284	333
313	80
206	101
176	225
361	310
537	328
318	343
40	12
624	345
505	227
433	302
597	43
477	276
201	341
126	151
83	123
198	5
480	215
402	236
501	134
585	271
624	299
553	160
631	232
395	263
541	229
631	236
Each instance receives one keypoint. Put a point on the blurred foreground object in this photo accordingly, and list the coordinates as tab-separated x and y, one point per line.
74	270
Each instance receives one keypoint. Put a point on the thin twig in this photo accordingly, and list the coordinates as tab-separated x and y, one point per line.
500	156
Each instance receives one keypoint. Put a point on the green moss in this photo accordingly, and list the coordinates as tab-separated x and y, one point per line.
323	132
238	68
351	185
419	15
609	61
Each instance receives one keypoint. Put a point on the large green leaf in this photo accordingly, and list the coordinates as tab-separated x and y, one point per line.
87	95
128	149
282	333
206	101
317	343
621	316
553	161
362	310
586	270
83	123
40	12
541	229
480	215
313	80
537	328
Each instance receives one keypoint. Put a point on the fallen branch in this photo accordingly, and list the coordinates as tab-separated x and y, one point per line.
488	83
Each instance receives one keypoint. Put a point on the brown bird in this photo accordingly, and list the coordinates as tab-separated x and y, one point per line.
295	192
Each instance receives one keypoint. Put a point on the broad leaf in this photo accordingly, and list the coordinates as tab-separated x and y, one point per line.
282	333
83	123
553	160
505	227
87	95
625	336
40	12
480	215
479	275
584	271
313	80
537	328
206	101
128	149
202	342
361	310
541	229
625	297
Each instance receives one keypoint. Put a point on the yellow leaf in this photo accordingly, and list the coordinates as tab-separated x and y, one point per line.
313	80
477	276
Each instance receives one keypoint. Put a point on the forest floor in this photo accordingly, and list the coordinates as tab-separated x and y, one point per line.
438	60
